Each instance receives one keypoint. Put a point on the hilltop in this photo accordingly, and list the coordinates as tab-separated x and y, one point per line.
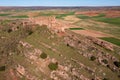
60	44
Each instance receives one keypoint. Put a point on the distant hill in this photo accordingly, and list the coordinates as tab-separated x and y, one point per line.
47	7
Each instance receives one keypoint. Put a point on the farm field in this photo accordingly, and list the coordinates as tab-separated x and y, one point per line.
90	33
112	40
76	28
59	43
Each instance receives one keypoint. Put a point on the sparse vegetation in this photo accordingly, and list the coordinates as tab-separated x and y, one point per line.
4	22
7	29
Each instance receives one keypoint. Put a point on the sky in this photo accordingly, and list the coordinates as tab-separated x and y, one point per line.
59	2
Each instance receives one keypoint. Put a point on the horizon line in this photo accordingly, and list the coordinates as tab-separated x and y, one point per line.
63	6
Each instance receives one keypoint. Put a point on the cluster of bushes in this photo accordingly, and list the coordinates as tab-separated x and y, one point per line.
93	58
9	42
11	38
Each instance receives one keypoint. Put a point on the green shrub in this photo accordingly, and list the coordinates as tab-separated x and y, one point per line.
92	58
116	63
53	66
105	61
2	68
43	55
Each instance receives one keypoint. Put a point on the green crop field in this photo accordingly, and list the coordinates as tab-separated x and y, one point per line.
101	18
115	21
112	40
76	28
61	16
102	24
81	16
4	14
20	16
